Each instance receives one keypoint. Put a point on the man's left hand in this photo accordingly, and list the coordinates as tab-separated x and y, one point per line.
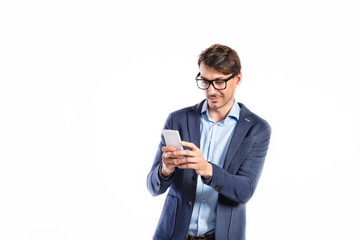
193	159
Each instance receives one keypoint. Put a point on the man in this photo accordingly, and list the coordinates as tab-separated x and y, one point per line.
215	175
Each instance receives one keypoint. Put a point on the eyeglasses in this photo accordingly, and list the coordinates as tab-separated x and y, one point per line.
218	84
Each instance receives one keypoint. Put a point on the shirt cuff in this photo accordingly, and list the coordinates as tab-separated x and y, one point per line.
206	181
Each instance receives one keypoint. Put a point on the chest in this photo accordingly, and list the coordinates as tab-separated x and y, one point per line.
215	140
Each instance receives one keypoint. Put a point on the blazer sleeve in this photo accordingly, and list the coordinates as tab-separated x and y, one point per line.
157	184
240	187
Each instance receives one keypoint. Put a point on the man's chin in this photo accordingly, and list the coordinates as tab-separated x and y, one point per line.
214	105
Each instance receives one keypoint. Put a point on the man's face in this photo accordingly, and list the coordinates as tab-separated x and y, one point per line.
219	99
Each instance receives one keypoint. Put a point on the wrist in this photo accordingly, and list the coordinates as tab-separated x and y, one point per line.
208	173
165	172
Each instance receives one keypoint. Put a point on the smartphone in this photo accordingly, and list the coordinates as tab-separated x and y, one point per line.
172	139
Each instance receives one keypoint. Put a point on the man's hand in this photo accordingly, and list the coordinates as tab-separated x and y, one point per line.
192	159
168	159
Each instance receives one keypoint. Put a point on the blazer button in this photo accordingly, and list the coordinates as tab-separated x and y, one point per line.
190	203
194	177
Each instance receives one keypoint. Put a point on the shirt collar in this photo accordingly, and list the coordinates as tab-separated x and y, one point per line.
234	111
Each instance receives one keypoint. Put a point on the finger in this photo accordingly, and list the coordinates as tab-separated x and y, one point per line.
187	166
190	145
184	153
168	149
165	155
184	166
169	161
183	161
172	155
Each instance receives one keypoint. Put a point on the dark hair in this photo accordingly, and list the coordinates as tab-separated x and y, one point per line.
222	58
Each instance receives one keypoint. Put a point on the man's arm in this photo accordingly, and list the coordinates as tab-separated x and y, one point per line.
241	186
156	183
238	187
163	169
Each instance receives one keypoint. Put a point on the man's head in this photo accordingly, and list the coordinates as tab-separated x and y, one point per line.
221	58
220	75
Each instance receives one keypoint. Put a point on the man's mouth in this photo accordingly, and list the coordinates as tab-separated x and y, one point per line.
214	98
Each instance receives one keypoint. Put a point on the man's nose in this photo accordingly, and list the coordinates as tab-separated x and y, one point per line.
211	90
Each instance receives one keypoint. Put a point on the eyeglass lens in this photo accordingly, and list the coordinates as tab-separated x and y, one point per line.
204	84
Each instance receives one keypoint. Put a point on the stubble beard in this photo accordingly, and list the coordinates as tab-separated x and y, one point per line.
222	102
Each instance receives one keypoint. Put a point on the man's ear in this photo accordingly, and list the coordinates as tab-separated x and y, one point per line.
238	79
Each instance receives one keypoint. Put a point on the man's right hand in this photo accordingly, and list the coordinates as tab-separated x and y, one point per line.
168	158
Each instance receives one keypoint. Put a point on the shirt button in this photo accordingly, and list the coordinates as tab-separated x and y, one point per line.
203	201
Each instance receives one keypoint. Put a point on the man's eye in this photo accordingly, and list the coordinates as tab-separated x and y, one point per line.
219	82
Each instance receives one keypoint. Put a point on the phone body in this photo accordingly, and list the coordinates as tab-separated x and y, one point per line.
172	139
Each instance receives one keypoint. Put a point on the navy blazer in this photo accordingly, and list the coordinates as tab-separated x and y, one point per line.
235	182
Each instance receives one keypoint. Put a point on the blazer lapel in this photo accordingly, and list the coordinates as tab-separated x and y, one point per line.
193	121
194	118
241	129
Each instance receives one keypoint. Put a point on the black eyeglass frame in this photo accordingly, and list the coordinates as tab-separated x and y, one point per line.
212	81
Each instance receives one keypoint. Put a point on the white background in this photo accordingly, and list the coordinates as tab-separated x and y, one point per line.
86	87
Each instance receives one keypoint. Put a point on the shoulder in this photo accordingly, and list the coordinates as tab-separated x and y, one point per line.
180	117
257	122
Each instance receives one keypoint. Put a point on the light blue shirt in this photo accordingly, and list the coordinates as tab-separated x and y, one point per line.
214	143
